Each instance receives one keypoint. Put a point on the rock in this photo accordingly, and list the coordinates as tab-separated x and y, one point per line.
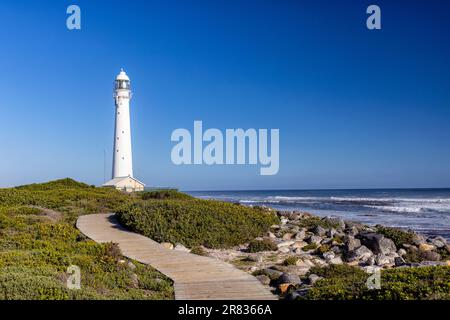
361	254
401	252
319	231
297	294
273	274
301	263
426	247
352	231
331	232
399	261
271	235
300	235
328	255
287	236
339	222
313	278
131	265
167	245
284	220
315	239
265	280
383	260
254	258
447	247
336	260
430	256
134	280
377	243
180	247
418	239
336	249
289	278
299	244
285	244
352	243
438	242
284	250
319	262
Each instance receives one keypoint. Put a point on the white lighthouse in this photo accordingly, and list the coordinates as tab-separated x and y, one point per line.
122	169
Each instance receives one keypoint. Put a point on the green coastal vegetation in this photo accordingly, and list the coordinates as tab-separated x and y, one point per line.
39	241
343	282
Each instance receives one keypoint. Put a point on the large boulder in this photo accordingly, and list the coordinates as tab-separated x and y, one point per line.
313	278
289	278
352	243
265	280
315	239
426	247
430	256
438	242
362	254
319	231
272	274
377	243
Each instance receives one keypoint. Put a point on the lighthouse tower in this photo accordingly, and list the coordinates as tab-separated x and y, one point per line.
122	155
122	169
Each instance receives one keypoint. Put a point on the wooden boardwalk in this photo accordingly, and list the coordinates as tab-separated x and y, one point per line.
195	277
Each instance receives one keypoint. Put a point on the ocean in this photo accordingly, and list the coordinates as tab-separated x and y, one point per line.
426	211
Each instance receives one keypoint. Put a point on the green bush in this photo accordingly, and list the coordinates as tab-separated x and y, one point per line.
199	250
36	249
261	245
397	235
213	224
323	248
311	246
290	261
342	282
312	222
164	194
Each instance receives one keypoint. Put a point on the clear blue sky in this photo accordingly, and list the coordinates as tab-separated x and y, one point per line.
355	108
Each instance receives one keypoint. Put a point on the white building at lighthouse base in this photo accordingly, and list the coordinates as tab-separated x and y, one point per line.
128	184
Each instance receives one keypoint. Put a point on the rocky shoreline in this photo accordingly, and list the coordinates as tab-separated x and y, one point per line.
286	254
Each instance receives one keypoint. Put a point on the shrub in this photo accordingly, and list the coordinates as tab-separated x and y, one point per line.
345	282
213	224
199	250
35	252
290	261
164	194
261	245
312	222
66	183
397	235
311	246
323	248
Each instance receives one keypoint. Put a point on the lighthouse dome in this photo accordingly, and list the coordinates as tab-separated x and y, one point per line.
122	76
